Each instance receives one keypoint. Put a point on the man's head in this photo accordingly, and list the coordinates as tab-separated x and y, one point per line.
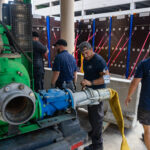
86	50
35	36
61	45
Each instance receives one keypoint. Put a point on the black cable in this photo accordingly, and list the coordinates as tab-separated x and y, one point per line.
11	48
17	47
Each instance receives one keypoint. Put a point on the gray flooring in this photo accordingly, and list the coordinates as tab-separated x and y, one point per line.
112	137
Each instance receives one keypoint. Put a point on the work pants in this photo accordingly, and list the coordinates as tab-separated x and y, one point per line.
65	85
96	115
38	81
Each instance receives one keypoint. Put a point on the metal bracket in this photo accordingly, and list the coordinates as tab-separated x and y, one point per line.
55	120
13	130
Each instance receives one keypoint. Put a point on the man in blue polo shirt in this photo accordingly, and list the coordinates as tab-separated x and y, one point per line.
64	68
142	75
96	76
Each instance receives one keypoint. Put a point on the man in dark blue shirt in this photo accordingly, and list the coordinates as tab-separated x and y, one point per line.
142	75
38	65
96	76
64	68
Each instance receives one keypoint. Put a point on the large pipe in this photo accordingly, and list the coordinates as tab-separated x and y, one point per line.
55	99
17	104
90	97
67	23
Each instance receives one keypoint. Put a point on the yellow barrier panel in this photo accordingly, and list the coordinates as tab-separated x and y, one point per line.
116	109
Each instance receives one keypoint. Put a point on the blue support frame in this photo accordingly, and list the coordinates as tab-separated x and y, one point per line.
129	47
110	27
93	39
48	39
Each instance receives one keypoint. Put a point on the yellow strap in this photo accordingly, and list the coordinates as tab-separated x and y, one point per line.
116	109
82	64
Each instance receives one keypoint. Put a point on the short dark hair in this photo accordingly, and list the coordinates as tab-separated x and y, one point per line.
35	34
83	45
61	42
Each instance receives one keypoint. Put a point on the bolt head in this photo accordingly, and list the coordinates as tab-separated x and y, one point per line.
7	89
19	73
31	94
21	87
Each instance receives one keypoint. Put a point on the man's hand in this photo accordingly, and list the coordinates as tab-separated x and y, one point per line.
128	100
55	76
132	88
86	83
46	54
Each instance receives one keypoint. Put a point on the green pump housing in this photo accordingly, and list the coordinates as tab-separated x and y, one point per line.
16	70
12	70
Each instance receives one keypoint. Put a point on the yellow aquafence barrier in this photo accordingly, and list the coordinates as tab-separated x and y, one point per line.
116	109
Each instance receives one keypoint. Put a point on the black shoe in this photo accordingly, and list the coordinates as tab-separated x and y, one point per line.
142	139
90	133
91	147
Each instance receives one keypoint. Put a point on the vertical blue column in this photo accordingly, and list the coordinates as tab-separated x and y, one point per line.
109	46
129	47
93	39
48	39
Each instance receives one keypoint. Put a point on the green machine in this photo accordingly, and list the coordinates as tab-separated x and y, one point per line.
16	69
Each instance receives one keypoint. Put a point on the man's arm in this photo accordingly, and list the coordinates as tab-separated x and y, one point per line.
41	48
75	77
98	81
54	78
46	54
132	89
56	71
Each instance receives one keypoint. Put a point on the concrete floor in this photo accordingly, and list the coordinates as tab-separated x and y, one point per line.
112	137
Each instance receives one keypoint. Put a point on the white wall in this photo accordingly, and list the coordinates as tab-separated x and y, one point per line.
81	5
92	4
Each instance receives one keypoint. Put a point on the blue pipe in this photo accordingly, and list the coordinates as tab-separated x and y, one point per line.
109	47
129	47
48	39
93	40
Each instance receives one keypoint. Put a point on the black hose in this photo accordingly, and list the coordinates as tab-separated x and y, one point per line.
17	47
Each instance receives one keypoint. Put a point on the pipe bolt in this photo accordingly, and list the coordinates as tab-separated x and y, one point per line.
19	73
21	87
7	89
31	94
